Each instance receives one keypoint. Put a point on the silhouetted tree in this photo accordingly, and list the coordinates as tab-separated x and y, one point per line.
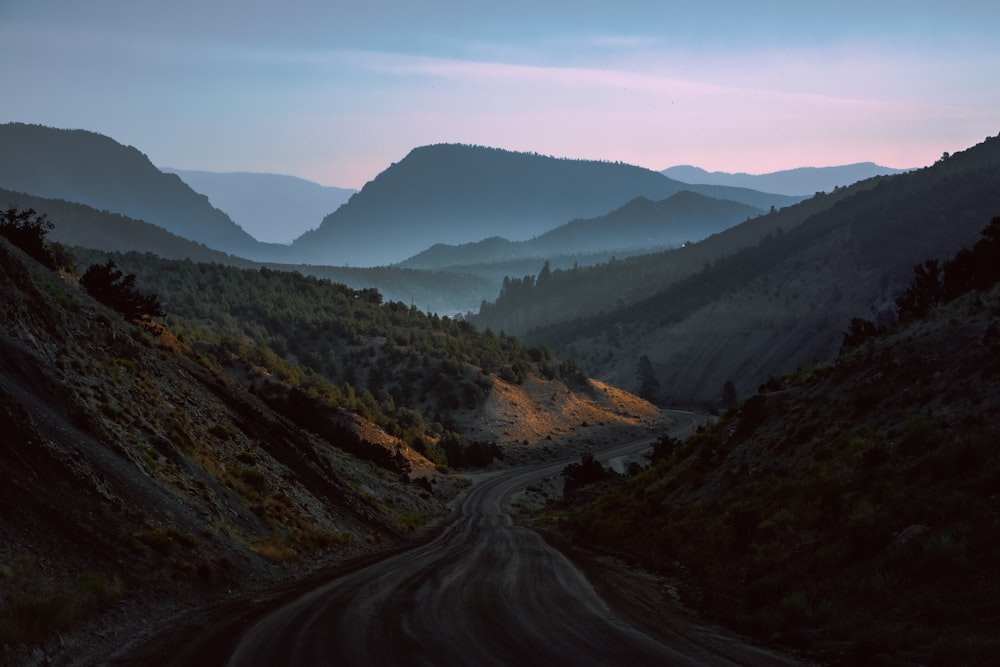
587	471
107	284
933	284
27	230
728	394
648	384
924	292
858	332
663	449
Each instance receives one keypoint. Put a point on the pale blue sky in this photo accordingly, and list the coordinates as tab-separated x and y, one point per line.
335	92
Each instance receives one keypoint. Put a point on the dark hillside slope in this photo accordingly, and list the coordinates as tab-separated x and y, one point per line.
77	224
769	309
850	510
587	290
136	473
89	168
460	194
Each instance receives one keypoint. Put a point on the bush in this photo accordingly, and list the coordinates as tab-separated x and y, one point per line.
109	286
27	230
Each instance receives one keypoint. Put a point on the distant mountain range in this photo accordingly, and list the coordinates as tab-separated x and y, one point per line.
801	181
460	194
639	226
763	297
91	169
273	208
445	193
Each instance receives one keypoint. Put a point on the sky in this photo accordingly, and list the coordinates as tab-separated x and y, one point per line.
335	92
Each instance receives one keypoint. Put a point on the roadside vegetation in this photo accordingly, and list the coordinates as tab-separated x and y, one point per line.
848	509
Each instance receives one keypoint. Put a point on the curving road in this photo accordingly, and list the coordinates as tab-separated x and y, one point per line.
485	592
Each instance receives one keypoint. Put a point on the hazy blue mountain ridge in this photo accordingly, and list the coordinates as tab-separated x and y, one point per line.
685	216
436	194
83	227
461	194
800	181
777	305
274	208
639	226
89	168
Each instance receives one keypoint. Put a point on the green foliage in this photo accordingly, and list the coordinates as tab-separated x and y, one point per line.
27	230
648	384
860	495
110	286
32	611
977	269
349	348
464	453
578	475
729	395
858	332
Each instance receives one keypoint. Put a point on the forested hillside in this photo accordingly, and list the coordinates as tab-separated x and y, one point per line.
139	473
848	509
582	291
182	433
766	309
403	363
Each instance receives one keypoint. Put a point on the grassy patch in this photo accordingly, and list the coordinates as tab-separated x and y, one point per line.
31	613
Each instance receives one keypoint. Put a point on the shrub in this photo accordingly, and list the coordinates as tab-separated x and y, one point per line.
27	230
110	286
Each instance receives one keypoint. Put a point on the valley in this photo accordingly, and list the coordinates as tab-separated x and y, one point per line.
552	410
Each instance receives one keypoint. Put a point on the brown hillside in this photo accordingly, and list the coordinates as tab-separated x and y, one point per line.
133	471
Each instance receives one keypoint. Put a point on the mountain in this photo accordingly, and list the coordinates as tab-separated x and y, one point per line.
149	470
443	193
642	223
780	298
848	510
461	194
639	226
613	282
83	227
89	168
271	207
801	181
140	474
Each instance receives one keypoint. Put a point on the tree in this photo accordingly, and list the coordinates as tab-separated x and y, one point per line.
588	471
27	230
648	384
858	332
924	292
545	274
107	284
728	394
